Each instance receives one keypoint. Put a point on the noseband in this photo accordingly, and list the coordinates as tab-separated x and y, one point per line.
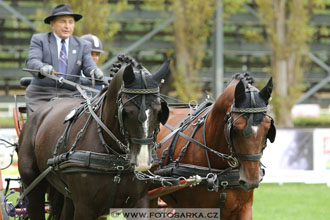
230	121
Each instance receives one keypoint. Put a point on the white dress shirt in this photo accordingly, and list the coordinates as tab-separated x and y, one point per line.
59	45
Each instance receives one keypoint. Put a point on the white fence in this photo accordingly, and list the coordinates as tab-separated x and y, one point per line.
298	155
6	108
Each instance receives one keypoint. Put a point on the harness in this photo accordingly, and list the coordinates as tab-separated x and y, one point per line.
111	162
212	178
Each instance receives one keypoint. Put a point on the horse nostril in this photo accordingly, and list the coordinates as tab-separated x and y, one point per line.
242	182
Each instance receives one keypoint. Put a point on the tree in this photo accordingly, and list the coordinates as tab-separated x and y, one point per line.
191	29
288	33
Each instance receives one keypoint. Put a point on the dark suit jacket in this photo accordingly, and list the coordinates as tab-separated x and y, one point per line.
43	50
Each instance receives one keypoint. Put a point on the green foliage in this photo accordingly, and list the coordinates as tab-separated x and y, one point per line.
289	32
232	6
321	121
192	26
294	201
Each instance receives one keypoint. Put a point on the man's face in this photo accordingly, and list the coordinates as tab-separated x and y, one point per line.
63	26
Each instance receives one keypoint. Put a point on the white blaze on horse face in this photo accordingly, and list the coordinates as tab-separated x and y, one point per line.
143	156
255	130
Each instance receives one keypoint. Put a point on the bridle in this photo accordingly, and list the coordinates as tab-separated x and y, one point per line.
230	121
120	104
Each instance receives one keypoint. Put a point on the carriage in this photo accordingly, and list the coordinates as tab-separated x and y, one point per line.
209	151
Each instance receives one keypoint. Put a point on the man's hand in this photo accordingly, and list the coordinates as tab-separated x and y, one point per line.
97	73
46	69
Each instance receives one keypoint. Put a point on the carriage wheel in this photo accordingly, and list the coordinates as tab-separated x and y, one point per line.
3	214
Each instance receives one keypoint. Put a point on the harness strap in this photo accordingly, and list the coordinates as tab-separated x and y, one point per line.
223	194
185	147
91	160
142	141
174	131
97	119
35	182
249	157
223	156
116	181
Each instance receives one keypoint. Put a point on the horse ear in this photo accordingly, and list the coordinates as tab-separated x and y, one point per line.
239	92
164	112
267	90
162	72
128	75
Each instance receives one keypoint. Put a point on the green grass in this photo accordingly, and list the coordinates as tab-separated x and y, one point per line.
292	202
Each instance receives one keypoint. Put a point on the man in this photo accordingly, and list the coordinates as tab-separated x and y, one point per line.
61	52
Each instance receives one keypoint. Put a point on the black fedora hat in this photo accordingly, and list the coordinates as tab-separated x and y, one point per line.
62	9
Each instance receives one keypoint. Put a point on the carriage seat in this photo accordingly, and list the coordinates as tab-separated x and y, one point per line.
25	81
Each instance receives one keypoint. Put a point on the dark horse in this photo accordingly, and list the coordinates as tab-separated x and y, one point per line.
82	143
226	141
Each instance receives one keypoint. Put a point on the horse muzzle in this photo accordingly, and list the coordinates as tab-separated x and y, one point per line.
143	157
248	185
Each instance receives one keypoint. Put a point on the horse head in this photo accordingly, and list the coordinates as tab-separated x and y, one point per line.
140	112
247	128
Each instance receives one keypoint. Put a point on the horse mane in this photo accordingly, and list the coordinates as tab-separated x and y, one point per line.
245	77
123	60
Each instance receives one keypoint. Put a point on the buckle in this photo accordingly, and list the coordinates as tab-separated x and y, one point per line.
224	184
116	179
120	167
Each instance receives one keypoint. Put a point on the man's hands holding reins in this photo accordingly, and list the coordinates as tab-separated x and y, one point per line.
97	73
45	69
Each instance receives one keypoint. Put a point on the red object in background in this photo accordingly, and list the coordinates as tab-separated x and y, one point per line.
1	186
326	145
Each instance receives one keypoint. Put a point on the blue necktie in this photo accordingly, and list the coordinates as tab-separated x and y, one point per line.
63	59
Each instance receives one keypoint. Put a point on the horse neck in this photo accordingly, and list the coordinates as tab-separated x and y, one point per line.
215	125
109	112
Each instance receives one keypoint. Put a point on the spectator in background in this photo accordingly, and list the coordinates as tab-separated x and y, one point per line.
97	47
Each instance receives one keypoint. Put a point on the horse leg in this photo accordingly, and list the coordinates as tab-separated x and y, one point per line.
153	203
36	202
84	211
245	212
29	171
68	209
143	202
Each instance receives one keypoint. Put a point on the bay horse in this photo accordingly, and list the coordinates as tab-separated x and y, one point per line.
93	147
222	142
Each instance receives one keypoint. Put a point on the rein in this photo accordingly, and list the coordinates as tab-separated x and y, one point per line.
99	121
232	161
